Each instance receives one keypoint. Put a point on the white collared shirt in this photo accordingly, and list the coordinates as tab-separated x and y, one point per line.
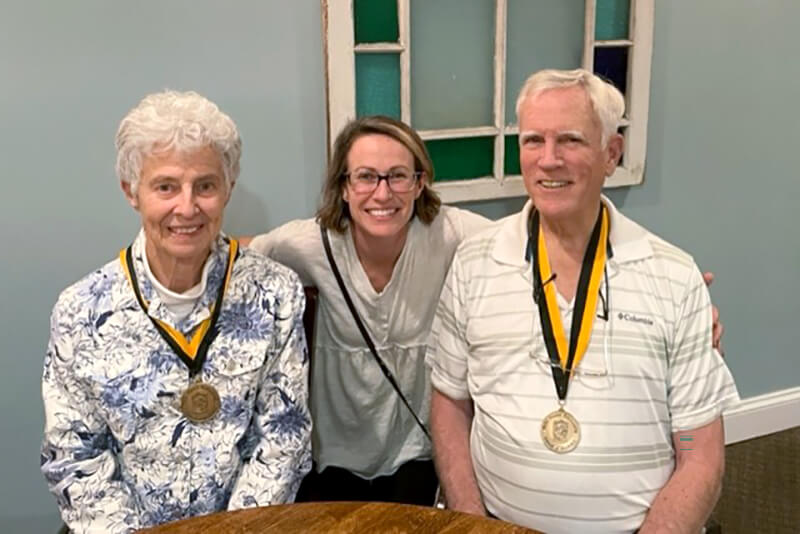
649	371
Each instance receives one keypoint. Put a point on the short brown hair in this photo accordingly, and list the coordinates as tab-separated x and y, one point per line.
333	212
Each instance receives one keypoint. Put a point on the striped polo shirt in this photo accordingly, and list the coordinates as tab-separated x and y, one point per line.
649	371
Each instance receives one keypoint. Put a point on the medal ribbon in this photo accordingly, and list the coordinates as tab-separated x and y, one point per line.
563	358
191	352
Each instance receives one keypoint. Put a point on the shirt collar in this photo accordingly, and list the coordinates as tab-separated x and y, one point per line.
212	273
628	240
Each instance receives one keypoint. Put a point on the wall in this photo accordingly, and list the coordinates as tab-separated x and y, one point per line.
721	176
70	71
722	170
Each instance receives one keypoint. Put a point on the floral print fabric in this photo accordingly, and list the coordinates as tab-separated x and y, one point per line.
118	454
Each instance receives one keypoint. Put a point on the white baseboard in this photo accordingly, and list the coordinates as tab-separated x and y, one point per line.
762	415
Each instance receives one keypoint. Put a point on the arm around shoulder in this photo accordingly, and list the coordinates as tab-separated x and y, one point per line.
469	222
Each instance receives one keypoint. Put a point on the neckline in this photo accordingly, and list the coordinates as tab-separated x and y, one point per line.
360	274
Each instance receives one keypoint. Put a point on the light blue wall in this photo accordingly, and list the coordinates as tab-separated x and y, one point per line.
721	173
68	73
723	170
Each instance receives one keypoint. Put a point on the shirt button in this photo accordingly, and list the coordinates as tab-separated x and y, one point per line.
231	365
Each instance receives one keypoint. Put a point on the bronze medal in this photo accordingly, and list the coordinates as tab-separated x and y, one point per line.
200	402
561	432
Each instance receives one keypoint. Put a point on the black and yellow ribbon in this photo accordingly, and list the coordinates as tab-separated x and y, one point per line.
564	359
192	352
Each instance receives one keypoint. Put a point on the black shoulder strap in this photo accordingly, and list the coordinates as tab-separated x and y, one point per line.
364	333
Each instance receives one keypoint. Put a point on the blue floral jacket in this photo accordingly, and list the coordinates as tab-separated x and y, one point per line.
118	454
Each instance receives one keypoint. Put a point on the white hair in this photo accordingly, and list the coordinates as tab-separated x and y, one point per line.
181	121
607	102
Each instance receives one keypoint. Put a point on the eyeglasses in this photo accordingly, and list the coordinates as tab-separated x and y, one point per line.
594	374
589	372
367	180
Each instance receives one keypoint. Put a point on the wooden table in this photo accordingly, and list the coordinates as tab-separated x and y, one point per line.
339	517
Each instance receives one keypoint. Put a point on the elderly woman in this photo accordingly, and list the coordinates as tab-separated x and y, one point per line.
175	377
392	243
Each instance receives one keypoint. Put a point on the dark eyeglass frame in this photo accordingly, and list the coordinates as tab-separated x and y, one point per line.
415	175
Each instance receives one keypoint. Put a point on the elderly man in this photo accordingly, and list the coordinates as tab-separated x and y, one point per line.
575	384
175	377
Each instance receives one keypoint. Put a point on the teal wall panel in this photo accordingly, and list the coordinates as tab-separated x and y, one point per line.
612	19
378	84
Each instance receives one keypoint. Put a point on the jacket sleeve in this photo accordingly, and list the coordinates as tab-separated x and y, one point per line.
77	455
282	422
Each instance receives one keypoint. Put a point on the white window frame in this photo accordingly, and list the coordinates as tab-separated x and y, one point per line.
340	50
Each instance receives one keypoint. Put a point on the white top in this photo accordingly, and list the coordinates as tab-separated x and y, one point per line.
649	371
180	305
360	423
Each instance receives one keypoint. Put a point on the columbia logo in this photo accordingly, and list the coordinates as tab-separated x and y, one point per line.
634	318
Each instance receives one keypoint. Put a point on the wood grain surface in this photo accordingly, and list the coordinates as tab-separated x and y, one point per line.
340	517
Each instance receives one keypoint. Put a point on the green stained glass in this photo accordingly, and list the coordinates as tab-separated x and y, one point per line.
375	21
611	19
378	84
541	34
457	159
511	164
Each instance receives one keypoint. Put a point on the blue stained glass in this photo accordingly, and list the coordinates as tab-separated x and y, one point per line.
612	64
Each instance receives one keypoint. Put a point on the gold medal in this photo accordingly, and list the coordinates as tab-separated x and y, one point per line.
561	432
200	402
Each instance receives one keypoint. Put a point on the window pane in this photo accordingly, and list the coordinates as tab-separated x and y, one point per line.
542	34
378	84
612	63
455	159
375	21
611	19
452	70
511	165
